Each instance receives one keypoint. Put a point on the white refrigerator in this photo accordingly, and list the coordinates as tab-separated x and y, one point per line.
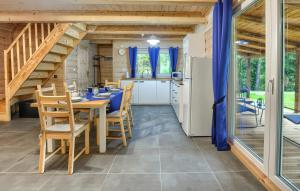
197	96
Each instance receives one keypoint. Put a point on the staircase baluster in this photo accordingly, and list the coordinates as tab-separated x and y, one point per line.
36	36
29	39
42	30
24	49
18	55
12	62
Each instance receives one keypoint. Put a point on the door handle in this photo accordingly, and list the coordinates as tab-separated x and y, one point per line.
271	84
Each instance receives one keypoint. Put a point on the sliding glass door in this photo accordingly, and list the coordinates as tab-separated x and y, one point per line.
289	126
250	71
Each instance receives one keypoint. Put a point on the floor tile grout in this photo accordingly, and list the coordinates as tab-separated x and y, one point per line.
211	171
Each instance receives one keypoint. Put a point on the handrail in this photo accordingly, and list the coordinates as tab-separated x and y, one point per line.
23	47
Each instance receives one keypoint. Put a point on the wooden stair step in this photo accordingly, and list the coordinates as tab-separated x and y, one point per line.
46	66
80	27
57	49
52	58
31	83
25	91
72	33
39	75
66	41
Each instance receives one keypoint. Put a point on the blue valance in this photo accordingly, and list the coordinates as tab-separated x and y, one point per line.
173	51
153	55
132	60
222	17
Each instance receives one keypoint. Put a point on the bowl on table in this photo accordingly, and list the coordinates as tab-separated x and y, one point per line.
104	94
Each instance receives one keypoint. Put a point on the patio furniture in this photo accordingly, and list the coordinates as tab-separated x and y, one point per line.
114	84
47	106
241	108
294	118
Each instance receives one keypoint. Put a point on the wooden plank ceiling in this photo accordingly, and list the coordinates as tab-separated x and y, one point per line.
250	29
114	19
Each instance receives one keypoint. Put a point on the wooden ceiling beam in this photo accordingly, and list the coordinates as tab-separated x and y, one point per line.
95	37
71	3
100	18
138	29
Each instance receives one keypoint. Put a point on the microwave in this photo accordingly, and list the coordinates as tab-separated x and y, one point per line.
176	75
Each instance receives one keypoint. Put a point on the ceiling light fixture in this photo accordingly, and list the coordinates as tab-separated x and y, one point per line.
153	41
241	42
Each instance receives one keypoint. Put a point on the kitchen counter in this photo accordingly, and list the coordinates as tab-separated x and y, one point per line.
177	82
147	79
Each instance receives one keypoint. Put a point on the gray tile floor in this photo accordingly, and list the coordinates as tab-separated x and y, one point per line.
158	157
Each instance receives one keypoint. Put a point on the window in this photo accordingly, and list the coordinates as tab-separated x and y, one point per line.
164	64
144	66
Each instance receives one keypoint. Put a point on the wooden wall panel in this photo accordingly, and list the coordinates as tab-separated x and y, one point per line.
106	65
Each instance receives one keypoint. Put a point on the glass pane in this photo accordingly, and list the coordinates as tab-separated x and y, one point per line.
290	126
164	63
250	66
143	64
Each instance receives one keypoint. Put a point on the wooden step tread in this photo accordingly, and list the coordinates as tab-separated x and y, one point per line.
46	66
57	49
72	33
39	75
79	26
66	41
53	58
31	83
25	91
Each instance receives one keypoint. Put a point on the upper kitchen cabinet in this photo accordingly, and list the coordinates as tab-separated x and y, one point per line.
193	45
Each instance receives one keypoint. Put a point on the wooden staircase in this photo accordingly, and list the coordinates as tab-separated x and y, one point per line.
33	57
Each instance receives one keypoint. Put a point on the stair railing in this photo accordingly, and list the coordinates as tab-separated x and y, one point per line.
23	47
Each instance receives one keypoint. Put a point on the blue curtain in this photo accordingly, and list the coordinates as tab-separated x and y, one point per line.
153	55
173	57
222	17
132	60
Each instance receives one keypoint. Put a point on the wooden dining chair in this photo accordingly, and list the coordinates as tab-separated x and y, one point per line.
130	86
47	90
68	131
118	117
114	84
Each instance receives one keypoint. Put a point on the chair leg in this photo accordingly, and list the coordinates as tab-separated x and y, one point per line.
123	133
97	131
107	128
131	116
128	125
87	140
63	147
42	153
71	155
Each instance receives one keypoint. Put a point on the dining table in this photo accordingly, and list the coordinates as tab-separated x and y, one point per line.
103	105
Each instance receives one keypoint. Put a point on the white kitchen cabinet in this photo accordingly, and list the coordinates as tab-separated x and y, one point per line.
147	92
163	91
176	100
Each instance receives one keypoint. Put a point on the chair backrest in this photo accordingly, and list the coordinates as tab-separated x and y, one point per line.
123	102
130	86
72	87
47	90
114	84
127	98
47	107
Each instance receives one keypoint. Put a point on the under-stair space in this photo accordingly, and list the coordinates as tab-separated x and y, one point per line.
33	58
